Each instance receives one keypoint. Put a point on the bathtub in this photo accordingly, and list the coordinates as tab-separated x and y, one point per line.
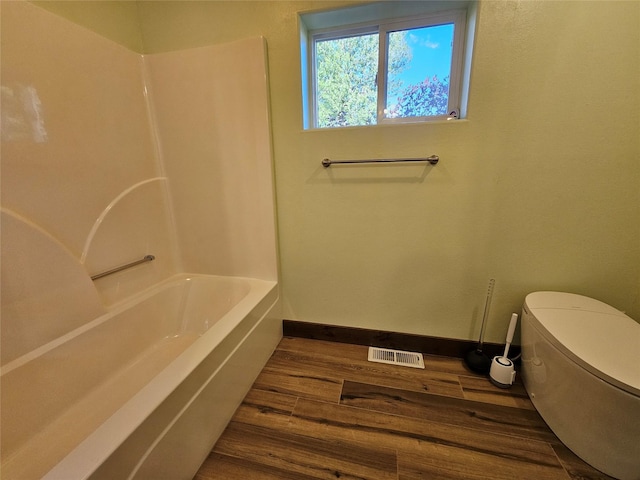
143	391
580	368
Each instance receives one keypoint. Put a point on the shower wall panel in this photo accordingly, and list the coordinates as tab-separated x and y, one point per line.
211	109
81	187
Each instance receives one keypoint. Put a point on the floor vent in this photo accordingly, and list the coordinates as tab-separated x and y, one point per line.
396	357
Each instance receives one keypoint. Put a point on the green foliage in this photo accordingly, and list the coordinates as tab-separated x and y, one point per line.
346	73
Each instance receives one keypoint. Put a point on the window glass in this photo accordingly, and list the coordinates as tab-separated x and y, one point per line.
346	70
419	71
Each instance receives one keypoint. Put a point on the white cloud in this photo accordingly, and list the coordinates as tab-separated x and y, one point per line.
423	42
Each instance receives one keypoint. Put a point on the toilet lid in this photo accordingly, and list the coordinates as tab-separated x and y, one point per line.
595	335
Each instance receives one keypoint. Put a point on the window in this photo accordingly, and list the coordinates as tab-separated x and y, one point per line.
386	71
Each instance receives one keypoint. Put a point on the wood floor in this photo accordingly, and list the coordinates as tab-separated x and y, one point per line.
320	410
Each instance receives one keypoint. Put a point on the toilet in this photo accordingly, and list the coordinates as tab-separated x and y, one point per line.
581	369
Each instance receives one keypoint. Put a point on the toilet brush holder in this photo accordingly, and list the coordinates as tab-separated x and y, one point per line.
503	372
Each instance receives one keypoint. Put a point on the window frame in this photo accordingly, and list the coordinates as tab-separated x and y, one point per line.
455	17
382	27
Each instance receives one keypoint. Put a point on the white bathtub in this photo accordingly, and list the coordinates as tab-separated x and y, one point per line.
143	391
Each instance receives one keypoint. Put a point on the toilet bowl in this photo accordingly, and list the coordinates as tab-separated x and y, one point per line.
581	369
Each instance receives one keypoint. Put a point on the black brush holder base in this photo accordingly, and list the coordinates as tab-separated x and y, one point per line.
477	361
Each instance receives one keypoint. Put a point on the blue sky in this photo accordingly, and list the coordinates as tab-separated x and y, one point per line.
431	48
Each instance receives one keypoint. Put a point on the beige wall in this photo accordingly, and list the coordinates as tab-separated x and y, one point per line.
539	188
115	19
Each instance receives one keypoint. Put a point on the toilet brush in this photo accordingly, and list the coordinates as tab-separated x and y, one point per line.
476	359
503	373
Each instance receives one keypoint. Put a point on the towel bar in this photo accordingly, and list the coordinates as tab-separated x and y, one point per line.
433	160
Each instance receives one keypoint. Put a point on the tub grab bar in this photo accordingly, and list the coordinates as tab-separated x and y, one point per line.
147	258
433	159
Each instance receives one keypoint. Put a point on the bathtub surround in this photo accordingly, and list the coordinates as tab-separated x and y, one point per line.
212	108
107	156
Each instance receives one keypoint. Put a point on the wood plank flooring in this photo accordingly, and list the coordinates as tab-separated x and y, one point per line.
320	410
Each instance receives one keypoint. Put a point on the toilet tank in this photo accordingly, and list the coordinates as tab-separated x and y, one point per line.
596	336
